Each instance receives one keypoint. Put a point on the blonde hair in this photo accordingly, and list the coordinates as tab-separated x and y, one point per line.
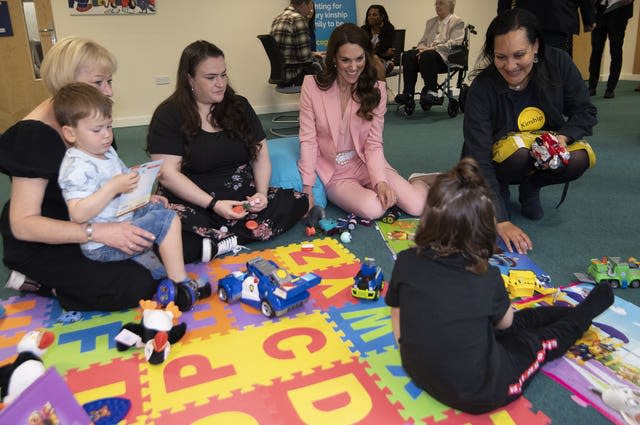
65	59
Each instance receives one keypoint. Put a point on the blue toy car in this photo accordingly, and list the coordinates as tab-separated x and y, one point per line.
369	282
266	286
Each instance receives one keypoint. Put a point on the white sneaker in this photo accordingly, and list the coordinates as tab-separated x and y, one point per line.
20	282
206	250
229	244
428	178
15	281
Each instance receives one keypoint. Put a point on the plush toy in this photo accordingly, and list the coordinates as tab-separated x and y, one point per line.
156	331
28	366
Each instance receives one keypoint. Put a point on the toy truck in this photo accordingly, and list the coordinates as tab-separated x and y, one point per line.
615	272
523	283
266	286
369	282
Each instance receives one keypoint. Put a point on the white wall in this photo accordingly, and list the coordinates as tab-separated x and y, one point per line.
149	46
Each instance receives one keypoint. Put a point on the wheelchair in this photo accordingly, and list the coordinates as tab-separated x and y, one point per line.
457	66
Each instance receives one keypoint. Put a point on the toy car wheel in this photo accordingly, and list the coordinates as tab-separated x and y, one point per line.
635	283
614	283
266	309
223	295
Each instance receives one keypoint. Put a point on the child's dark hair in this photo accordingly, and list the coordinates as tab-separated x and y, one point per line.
77	101
459	217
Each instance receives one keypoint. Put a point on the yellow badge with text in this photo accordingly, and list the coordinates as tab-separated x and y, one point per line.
531	119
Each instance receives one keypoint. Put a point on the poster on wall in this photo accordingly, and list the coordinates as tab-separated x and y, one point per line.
112	7
330	14
5	20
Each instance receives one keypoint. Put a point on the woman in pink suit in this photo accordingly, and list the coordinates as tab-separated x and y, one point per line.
341	121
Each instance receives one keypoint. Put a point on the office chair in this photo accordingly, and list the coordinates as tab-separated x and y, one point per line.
457	65
277	77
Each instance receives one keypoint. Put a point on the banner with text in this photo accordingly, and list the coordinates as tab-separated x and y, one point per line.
330	14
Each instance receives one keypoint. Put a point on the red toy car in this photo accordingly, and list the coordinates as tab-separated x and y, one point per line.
549	153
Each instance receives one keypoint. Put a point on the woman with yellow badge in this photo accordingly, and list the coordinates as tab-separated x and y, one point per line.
521	90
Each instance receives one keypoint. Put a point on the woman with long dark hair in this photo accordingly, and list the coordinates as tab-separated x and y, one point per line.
216	166
341	121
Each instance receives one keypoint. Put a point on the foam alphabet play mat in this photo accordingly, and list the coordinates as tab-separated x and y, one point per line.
332	360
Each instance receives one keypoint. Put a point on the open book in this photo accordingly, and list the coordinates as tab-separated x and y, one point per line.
141	195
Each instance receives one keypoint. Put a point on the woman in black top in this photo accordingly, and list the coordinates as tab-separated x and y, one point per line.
216	166
39	240
380	31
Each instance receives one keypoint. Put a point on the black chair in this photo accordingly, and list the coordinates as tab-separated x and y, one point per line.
277	77
457	65
398	48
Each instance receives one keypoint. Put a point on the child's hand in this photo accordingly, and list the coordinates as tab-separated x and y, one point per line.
124	183
159	199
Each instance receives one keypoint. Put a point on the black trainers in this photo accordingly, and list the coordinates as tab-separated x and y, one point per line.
608	94
404	98
530	201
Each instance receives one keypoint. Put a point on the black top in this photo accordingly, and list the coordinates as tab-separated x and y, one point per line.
213	158
32	149
447	317
385	39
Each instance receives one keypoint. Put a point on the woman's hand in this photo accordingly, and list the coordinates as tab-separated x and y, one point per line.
258	202
159	199
225	210
123	236
514	237
308	190
386	195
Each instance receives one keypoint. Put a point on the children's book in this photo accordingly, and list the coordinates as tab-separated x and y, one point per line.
48	400
141	195
398	235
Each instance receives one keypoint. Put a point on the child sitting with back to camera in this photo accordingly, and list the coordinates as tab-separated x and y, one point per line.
92	177
458	335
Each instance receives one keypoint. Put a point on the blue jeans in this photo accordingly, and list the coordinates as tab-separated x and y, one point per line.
154	218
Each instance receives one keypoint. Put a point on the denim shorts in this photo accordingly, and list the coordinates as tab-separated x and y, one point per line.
153	217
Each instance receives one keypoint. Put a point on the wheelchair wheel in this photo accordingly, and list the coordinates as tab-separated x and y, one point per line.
453	108
463	96
425	107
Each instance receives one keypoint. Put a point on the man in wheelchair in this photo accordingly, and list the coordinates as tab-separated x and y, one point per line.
443	33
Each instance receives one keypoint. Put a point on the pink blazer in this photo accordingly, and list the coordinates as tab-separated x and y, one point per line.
319	123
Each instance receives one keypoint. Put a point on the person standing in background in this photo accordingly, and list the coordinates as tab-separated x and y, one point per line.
611	21
558	19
